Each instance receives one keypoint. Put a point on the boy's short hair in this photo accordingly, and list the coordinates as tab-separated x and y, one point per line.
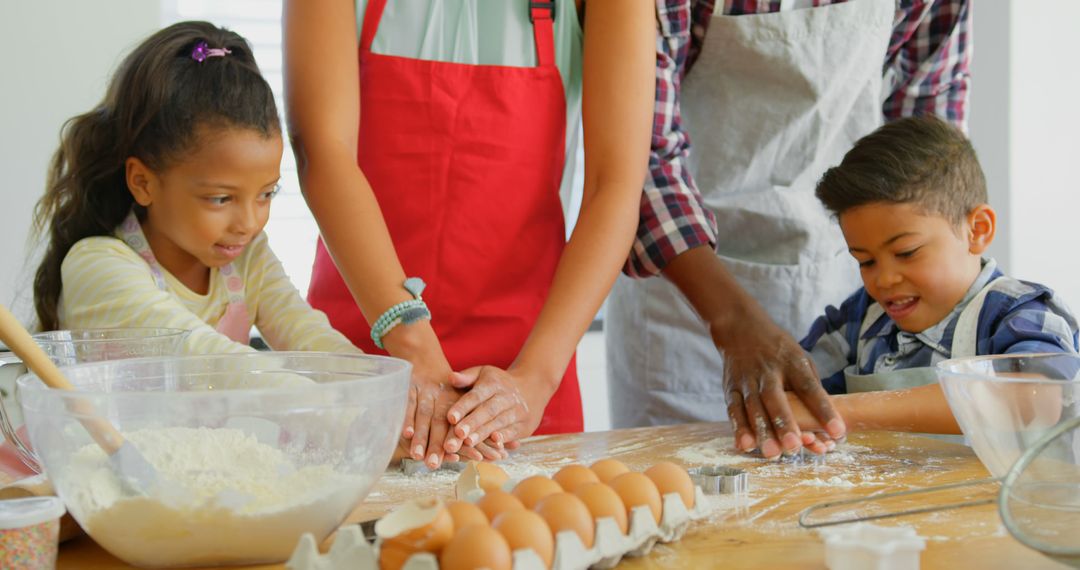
917	160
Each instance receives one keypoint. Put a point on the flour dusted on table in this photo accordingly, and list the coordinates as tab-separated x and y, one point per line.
221	495
717	451
834	481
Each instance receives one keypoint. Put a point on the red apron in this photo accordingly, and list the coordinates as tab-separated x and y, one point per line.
466	162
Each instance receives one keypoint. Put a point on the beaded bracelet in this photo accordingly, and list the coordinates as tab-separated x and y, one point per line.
403	313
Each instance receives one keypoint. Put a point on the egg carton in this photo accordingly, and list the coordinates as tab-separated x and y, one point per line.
350	549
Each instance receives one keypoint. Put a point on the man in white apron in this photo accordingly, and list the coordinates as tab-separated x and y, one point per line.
773	100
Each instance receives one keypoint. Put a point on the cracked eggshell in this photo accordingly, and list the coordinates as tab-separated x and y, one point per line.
671	478
420	525
479	475
636	489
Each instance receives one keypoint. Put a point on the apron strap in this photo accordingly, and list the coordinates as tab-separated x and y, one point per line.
966	332
873	313
372	14
132	234
542	16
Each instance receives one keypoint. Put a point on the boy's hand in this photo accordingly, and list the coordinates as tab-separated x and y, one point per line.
761	361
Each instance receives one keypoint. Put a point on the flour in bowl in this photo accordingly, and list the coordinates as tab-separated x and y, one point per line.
222	497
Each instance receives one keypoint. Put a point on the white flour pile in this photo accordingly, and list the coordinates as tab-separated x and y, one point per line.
718	451
221	496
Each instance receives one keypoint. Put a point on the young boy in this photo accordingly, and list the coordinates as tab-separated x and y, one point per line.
911	201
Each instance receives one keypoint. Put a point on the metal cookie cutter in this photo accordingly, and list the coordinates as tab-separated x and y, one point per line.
412	467
720	480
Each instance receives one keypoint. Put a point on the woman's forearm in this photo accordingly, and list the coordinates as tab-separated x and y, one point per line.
618	93
585	274
355	234
323	112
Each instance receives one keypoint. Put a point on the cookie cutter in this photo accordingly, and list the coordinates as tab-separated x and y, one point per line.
716	480
412	467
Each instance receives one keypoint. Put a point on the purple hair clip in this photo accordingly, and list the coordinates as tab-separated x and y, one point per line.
203	51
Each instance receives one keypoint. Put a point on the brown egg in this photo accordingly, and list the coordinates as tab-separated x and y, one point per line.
465	513
602	501
526	529
422	525
636	489
571	476
671	478
531	490
564	511
608	469
496	503
476	546
491	476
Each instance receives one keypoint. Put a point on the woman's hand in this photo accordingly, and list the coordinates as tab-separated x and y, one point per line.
500	407
430	393
425	417
761	361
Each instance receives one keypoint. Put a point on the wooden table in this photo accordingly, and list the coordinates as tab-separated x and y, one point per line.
762	531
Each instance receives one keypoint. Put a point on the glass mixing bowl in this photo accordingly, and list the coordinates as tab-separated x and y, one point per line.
1004	404
1040	497
250	450
66	347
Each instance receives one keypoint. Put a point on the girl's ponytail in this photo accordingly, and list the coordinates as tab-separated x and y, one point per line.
85	195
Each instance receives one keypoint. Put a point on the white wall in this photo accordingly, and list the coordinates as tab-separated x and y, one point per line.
57	58
1025	124
1044	122
988	119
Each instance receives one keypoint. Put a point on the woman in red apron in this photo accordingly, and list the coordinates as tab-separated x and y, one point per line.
450	172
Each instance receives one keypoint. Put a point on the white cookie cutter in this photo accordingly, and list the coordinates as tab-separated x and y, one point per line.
863	546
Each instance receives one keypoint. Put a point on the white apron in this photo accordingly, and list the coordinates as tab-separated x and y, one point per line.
772	102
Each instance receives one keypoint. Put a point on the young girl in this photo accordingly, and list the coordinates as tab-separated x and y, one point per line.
157	198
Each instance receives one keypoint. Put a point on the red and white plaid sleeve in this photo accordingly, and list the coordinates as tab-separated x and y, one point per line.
673	218
929	60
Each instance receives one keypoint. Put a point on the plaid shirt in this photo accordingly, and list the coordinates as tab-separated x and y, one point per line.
928	56
1016	317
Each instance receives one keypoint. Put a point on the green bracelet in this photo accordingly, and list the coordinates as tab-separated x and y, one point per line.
403	313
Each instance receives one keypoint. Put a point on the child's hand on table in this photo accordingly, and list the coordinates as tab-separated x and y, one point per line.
814	437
